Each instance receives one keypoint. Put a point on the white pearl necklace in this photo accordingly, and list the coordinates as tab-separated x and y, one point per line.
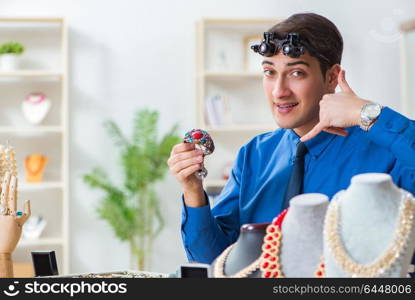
220	262
385	262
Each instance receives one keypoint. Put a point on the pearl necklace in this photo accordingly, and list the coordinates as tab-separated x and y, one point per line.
270	263
392	254
220	262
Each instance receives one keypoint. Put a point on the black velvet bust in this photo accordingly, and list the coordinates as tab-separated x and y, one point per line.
246	250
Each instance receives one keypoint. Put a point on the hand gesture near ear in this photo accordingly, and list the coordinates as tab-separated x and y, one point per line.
11	222
338	110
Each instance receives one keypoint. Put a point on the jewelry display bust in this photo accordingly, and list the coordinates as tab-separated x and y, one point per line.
301	244
369	229
35	108
35	165
302	235
243	255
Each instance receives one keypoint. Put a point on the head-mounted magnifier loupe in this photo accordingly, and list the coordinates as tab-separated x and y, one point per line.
292	46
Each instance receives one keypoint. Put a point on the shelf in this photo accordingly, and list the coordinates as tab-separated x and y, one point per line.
31	74
24	187
31	20
40	242
232	75
240	128
45	67
33	129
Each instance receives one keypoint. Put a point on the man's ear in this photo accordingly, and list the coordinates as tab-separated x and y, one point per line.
331	77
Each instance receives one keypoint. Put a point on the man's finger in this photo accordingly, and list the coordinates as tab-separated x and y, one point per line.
341	80
182	147
336	130
313	132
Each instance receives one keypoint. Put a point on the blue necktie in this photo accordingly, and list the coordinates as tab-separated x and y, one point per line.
295	184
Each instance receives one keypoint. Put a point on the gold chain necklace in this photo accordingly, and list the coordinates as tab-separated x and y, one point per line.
220	262
392	254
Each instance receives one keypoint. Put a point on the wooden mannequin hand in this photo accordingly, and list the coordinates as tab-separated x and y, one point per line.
10	223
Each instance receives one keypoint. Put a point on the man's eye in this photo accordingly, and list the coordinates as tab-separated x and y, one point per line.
268	72
297	73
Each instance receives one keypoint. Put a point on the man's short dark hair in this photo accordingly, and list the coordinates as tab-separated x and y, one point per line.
319	32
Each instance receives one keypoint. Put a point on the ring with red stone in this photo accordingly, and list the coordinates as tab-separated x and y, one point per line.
202	141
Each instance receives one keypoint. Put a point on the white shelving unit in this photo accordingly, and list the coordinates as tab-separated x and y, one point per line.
41	186
226	66
44	68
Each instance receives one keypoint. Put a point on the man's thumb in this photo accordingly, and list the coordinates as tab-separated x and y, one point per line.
341	79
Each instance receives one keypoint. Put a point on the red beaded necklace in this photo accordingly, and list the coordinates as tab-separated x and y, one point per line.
270	263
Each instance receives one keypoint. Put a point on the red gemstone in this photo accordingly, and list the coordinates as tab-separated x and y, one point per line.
277	235
273	266
197	135
267	246
267	274
269	238
322	265
265	265
319	273
273	258
271	229
266	255
276	274
275	243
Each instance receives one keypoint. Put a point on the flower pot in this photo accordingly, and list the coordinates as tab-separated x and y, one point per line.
9	62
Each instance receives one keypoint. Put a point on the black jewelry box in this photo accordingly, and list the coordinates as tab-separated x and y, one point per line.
44	263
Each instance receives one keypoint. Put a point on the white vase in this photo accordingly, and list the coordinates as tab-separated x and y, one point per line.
9	62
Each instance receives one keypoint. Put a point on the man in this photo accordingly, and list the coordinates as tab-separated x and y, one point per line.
343	136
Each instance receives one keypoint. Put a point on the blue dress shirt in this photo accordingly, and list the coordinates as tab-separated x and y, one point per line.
255	190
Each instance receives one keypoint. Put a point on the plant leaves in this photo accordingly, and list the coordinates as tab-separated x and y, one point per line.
134	208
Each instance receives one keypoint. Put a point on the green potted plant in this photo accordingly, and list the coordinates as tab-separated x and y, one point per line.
133	208
9	54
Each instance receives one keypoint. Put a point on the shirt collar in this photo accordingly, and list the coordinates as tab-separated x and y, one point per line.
317	144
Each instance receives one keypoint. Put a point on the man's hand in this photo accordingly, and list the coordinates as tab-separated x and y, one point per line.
338	111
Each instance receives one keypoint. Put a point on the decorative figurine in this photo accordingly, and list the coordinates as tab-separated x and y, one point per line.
11	220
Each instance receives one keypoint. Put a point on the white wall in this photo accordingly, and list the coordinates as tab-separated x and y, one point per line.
127	54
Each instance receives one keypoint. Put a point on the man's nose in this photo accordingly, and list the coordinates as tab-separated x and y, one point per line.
281	89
